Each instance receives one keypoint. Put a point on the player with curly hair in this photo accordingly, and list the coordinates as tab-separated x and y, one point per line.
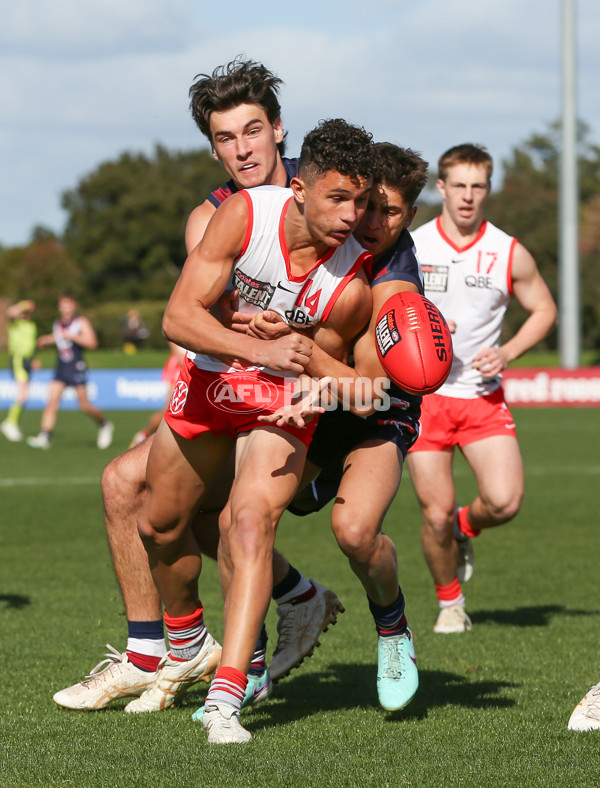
287	250
238	109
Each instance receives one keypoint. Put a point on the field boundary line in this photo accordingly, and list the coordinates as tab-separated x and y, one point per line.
25	481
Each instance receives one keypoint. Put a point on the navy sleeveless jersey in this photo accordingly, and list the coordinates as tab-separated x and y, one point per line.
221	193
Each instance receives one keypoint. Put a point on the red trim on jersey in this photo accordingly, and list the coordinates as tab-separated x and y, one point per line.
286	254
363	259
305	287
440	229
509	279
282	241
250	222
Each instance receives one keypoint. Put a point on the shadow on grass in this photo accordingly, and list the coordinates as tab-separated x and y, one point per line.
538	616
15	601
344	687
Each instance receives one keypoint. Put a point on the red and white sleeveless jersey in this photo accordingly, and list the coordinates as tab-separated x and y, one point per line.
471	285
262	272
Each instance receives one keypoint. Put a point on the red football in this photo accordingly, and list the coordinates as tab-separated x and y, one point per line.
413	343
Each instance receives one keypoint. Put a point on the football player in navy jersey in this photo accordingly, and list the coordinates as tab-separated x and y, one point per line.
360	459
72	334
237	109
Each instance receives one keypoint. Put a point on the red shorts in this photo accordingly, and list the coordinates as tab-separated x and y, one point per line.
227	403
447	421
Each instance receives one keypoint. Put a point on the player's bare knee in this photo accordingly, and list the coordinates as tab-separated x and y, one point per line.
122	484
354	540
251	534
438	524
506	509
159	536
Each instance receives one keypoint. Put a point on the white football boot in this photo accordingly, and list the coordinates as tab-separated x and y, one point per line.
175	677
118	679
452	619
300	627
586	715
222	724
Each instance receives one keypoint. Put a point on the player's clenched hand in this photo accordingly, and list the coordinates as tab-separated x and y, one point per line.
490	361
289	353
268	325
227	307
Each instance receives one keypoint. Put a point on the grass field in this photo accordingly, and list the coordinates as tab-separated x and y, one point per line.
493	705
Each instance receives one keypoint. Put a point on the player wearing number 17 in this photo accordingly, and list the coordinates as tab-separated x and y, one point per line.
471	269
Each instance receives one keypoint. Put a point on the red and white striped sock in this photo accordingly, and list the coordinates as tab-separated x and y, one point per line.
186	634
228	686
145	644
450	595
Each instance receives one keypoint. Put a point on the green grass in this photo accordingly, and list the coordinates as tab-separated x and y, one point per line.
493	705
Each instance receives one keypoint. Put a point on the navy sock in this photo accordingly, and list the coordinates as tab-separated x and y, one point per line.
258	661
389	620
289	582
148	630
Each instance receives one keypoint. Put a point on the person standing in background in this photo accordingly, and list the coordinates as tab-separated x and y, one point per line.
72	334
22	335
471	270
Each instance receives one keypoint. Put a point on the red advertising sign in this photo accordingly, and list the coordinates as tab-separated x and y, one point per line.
552	387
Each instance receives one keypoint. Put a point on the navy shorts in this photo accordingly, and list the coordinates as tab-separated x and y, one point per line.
71	373
338	433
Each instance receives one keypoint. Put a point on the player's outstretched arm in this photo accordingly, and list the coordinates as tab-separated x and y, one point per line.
187	321
533	294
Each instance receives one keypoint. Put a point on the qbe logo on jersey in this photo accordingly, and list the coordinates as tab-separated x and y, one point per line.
179	397
243	393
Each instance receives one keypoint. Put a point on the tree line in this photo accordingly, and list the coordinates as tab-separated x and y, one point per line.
123	242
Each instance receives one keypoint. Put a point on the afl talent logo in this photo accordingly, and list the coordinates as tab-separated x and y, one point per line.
179	397
386	333
243	393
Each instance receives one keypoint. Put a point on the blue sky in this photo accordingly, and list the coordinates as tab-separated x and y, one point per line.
82	82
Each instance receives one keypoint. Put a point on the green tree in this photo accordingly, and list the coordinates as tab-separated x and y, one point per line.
126	221
41	271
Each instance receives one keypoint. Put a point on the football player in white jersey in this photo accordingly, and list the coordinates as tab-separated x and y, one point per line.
237	108
471	269
308	234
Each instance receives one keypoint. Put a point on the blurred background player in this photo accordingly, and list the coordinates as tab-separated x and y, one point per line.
135	332
237	109
72	334
471	270
170	373
22	335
